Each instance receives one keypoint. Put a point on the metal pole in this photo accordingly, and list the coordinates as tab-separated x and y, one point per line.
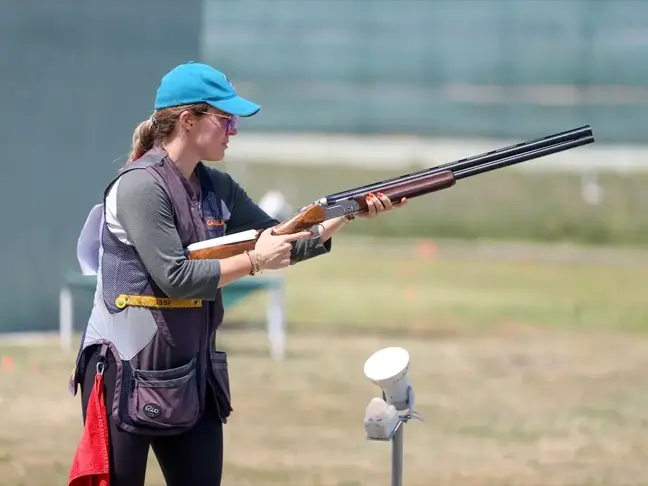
66	318
397	456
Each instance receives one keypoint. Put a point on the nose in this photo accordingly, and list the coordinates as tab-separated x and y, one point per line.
232	126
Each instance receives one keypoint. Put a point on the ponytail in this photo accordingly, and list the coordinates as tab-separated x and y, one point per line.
158	127
144	138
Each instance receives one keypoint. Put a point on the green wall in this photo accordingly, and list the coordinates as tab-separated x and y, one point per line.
399	66
77	76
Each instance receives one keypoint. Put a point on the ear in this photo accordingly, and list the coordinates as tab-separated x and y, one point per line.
186	120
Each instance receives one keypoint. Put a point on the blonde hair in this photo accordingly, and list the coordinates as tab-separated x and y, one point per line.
158	127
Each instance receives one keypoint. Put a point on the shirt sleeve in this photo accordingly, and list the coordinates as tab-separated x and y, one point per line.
246	214
145	212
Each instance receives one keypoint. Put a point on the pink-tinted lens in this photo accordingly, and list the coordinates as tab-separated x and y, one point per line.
233	123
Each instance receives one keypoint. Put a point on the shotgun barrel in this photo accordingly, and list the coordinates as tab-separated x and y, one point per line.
575	134
437	181
516	159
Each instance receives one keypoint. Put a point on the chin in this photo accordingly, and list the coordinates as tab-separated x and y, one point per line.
216	157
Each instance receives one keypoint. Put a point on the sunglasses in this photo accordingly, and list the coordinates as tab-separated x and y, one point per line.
232	120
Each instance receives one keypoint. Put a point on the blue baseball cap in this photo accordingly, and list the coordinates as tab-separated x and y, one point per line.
195	82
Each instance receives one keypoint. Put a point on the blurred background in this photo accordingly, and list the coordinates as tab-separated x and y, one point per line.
520	294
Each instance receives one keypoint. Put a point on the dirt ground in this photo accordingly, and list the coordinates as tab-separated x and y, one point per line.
517	406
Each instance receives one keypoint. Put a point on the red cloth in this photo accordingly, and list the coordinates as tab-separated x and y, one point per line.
90	466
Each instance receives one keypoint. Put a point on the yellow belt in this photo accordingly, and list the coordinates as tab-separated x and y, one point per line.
158	302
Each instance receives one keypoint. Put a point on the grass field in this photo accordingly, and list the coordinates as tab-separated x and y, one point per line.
529	366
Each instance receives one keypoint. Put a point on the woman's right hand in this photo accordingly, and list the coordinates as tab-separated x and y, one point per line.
274	250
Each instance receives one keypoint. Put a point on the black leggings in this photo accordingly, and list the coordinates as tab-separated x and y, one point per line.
194	458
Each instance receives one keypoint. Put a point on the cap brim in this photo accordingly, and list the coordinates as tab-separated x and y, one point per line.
236	106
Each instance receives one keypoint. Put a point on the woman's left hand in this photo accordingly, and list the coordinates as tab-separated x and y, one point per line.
378	204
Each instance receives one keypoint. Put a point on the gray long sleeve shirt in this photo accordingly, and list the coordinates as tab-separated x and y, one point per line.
139	212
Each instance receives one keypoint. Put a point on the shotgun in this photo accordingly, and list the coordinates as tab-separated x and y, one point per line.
408	186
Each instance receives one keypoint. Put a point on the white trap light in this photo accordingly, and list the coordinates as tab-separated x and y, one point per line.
387	368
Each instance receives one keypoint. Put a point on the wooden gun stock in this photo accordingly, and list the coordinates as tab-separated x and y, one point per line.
223	251
315	214
305	219
302	221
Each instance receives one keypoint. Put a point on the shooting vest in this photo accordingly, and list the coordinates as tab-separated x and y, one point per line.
164	349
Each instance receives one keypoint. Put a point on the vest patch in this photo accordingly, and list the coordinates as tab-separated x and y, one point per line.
152	410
